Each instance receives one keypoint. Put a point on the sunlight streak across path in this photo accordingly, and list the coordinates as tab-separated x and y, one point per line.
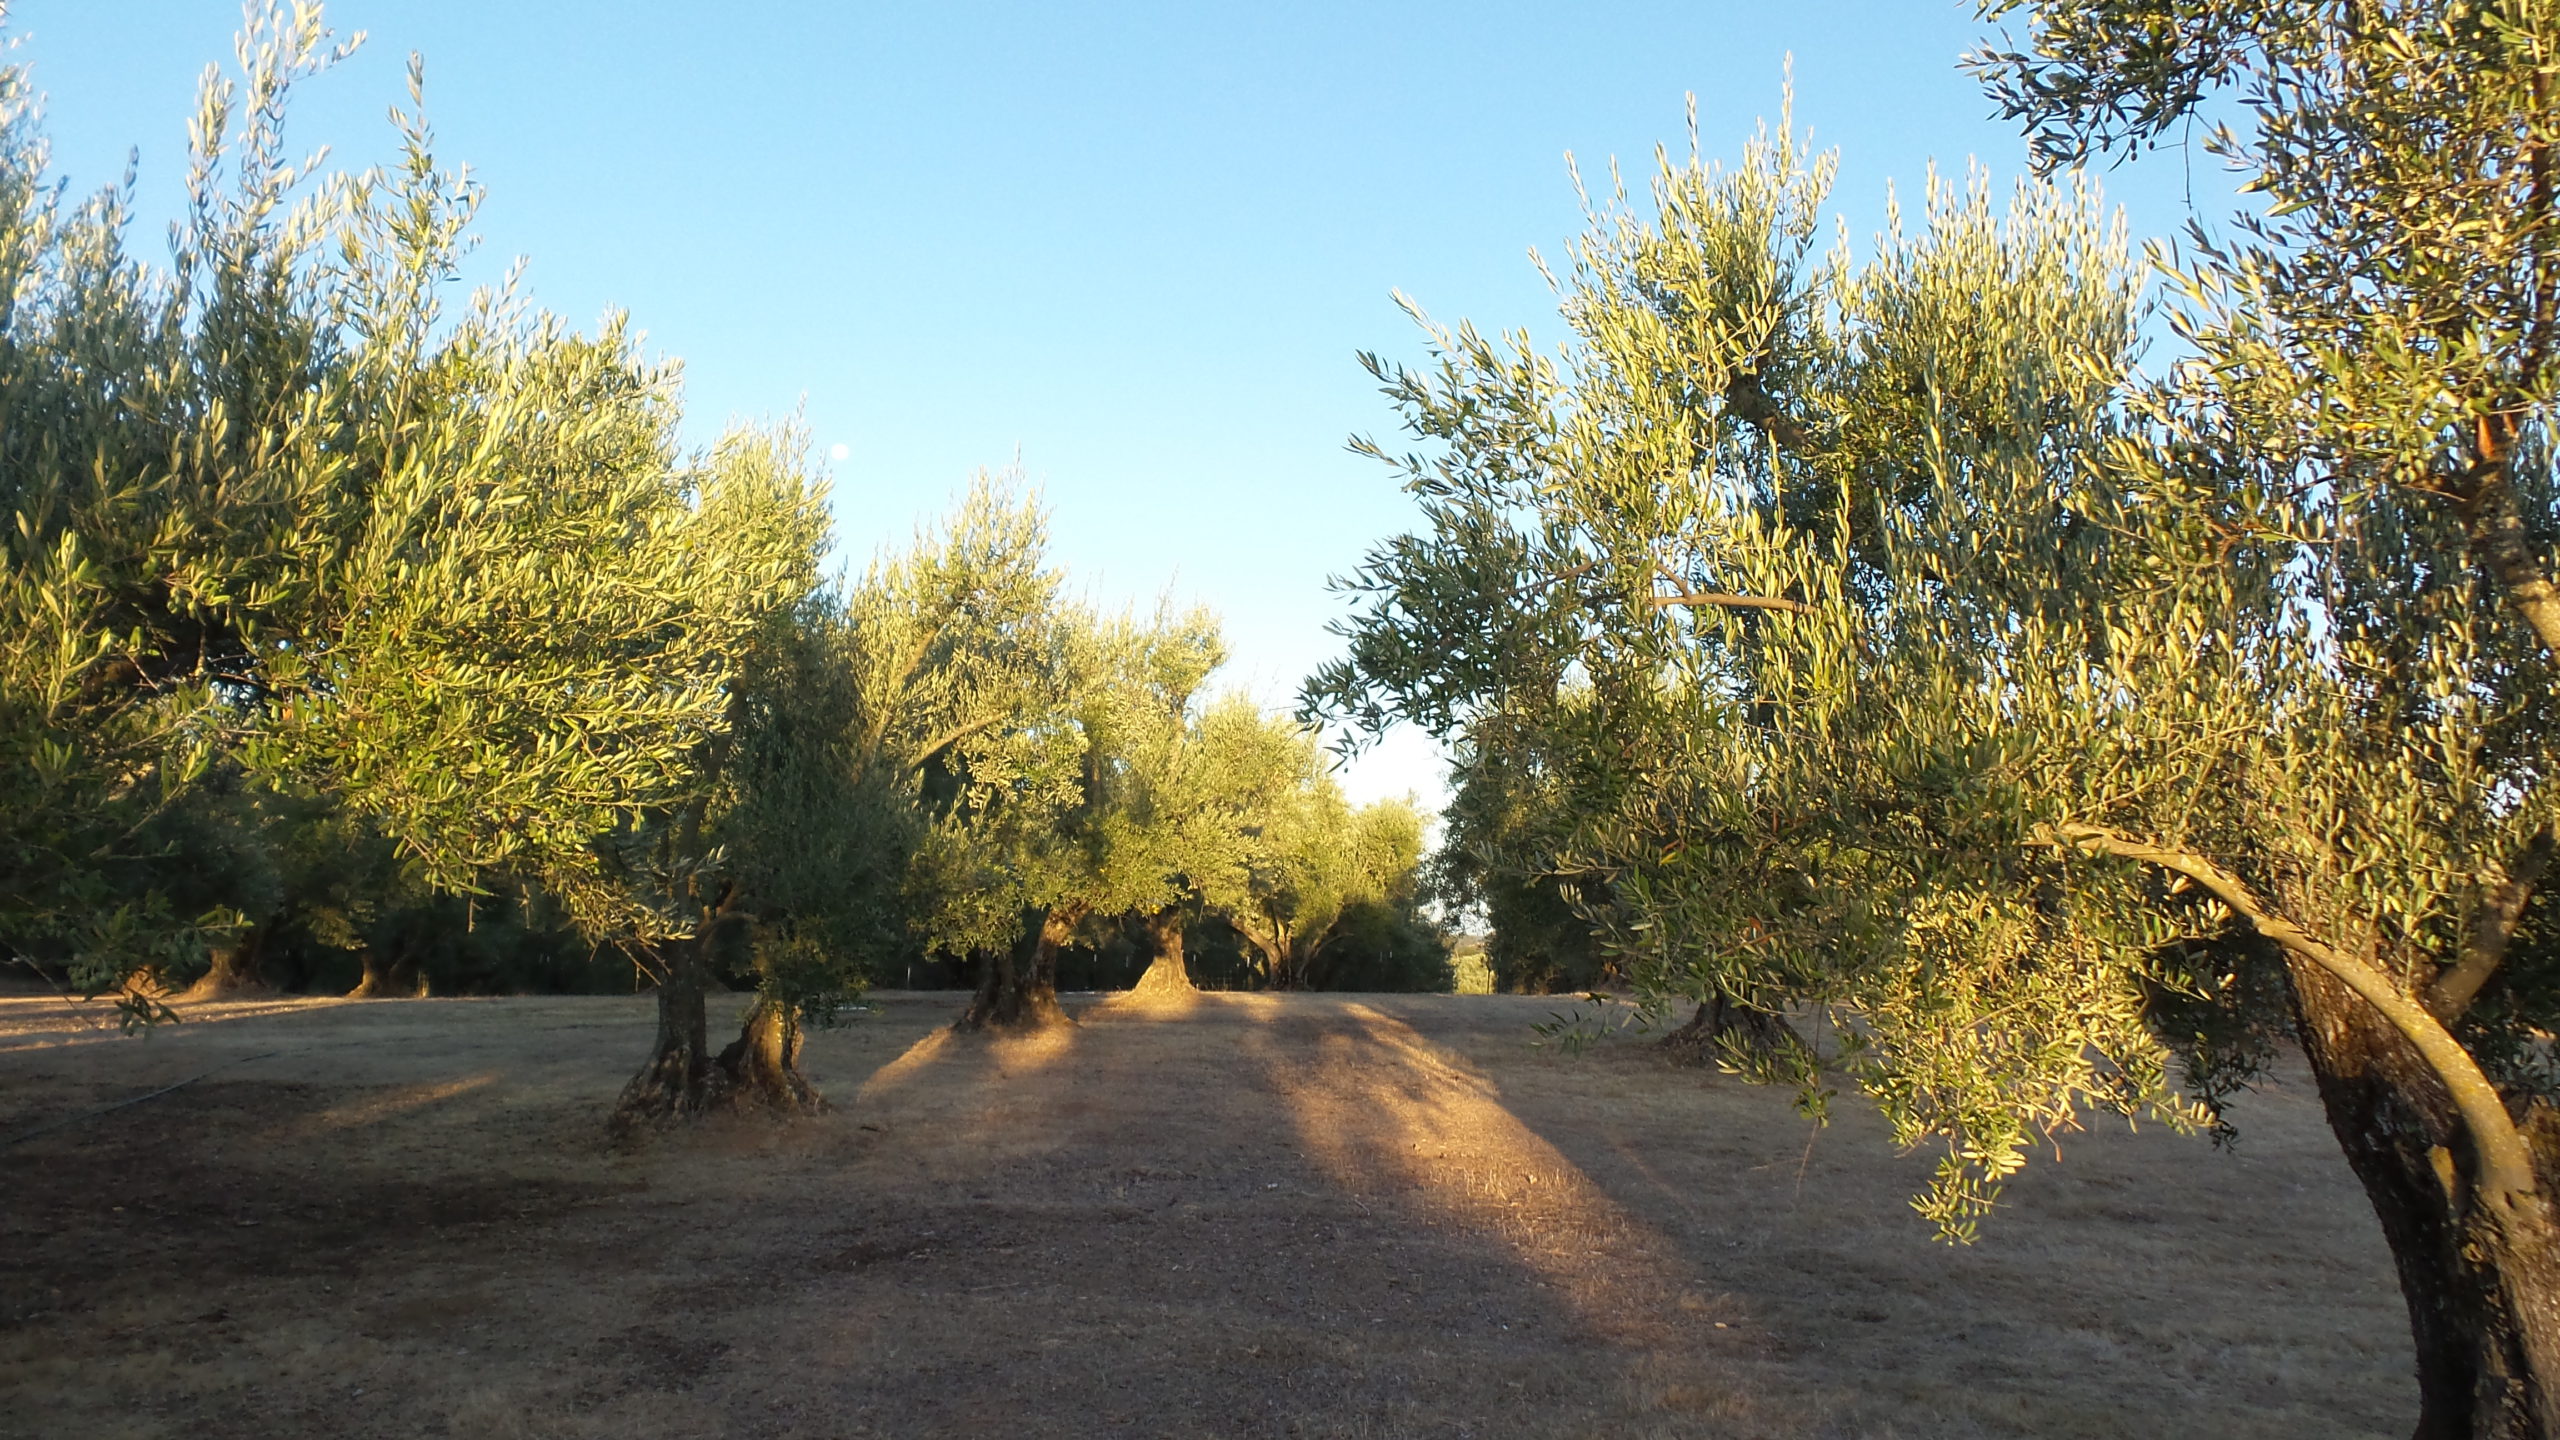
1395	1120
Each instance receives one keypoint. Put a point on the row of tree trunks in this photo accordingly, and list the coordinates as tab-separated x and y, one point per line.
2482	1284
1018	988
237	972
1166	974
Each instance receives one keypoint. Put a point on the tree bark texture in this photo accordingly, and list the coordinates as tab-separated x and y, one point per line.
1275	966
1018	988
762	1066
683	1079
1280	966
2482	1280
680	1079
2504	544
1270	943
1166	973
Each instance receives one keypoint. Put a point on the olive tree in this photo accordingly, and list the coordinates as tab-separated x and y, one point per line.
2383	331
1302	859
1173	812
765	792
282	520
1981	696
1069	818
1207	780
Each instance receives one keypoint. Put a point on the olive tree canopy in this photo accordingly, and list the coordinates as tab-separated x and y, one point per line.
1926	669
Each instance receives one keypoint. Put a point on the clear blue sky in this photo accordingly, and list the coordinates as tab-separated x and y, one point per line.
1137	243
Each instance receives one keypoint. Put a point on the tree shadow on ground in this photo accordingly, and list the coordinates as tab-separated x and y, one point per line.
1232	1215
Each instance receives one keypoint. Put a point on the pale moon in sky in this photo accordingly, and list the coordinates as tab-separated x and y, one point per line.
839	452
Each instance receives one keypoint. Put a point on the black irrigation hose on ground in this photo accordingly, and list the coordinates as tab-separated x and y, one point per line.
52	1125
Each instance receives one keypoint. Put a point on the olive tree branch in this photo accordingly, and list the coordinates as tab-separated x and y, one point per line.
1733	602
2493	926
1544	581
2495	527
936	744
2506	1166
1751	401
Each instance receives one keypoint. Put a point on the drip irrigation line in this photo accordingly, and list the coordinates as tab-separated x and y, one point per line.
52	1125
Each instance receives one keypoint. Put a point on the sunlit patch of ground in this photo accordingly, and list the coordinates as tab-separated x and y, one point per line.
1209	1215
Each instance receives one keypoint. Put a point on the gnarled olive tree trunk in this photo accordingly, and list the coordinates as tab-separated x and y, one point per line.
399	978
680	1078
1166	973
762	1065
1734	1033
2482	1279
1018	988
1728	1029
760	1070
234	974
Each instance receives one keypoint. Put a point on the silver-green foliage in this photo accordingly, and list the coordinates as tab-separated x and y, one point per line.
1960	683
275	511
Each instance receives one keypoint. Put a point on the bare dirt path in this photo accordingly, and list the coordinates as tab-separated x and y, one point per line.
1236	1216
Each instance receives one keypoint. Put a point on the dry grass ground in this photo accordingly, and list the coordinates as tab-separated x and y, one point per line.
1238	1216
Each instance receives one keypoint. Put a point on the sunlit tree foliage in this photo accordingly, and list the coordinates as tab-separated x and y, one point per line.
281	520
1955	685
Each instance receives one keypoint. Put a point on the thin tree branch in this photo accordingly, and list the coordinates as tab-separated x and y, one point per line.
1733	602
2493	926
953	736
2505	548
1543	581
